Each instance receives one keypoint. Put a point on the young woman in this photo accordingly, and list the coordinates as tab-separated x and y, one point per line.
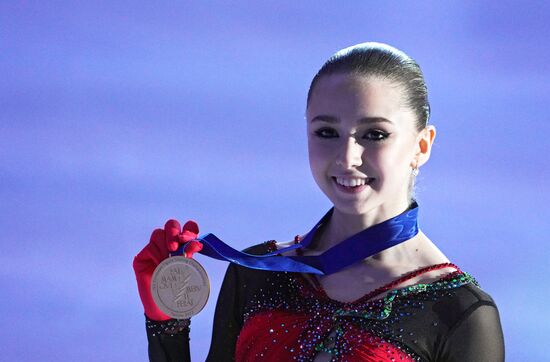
384	291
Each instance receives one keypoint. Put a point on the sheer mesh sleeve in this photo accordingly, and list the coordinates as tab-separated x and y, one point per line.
168	340
238	284
476	337
227	319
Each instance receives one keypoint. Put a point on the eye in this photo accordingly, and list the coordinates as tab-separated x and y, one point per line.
326	133
376	135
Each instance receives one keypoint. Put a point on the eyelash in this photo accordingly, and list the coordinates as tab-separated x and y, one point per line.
383	134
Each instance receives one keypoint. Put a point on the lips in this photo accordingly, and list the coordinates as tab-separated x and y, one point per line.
352	181
352	184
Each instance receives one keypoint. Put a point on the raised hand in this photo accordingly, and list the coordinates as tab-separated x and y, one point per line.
162	242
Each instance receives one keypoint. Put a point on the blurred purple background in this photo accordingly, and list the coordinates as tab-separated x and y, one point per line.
116	116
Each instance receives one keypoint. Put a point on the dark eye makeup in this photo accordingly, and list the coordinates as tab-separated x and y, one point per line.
375	135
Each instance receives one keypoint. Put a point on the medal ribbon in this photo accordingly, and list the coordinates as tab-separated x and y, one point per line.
350	251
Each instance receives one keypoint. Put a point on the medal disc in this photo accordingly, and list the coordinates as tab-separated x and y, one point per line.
180	287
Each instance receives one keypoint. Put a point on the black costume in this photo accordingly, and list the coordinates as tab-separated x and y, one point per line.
277	316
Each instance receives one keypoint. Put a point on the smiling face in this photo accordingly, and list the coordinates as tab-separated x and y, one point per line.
362	143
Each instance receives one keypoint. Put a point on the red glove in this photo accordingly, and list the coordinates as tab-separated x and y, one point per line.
162	242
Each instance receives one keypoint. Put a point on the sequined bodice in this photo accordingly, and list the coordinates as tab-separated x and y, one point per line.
290	319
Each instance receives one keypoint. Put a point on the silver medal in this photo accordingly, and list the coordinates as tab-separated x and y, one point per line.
180	287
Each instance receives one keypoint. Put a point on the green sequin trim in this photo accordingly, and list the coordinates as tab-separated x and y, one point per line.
387	304
321	347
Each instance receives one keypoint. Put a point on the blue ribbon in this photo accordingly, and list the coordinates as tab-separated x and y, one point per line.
350	251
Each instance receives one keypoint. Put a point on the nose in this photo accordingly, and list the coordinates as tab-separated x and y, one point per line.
350	154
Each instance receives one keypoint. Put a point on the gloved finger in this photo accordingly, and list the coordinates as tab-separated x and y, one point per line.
190	231
192	247
172	230
157	246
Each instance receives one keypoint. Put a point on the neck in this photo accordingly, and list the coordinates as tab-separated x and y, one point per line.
341	225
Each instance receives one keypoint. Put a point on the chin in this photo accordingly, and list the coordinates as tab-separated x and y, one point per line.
352	207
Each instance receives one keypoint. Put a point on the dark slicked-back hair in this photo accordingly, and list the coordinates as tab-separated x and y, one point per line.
385	62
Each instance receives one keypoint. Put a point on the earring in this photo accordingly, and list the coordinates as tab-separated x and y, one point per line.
415	171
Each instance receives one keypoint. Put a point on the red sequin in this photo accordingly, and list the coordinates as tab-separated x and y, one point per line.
291	319
282	334
273	336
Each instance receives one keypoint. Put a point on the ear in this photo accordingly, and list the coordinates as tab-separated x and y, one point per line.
424	142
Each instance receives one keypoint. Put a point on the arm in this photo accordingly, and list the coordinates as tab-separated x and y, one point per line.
476	337
227	318
168	338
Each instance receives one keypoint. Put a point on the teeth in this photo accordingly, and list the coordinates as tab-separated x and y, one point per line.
351	182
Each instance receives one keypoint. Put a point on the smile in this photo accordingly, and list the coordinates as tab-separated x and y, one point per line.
352	184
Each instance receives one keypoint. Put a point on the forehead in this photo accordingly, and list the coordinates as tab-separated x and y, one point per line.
353	96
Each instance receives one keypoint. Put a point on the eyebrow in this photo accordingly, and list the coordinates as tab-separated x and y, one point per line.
364	120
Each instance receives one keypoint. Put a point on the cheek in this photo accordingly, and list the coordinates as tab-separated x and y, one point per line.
390	159
317	153
318	162
396	163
